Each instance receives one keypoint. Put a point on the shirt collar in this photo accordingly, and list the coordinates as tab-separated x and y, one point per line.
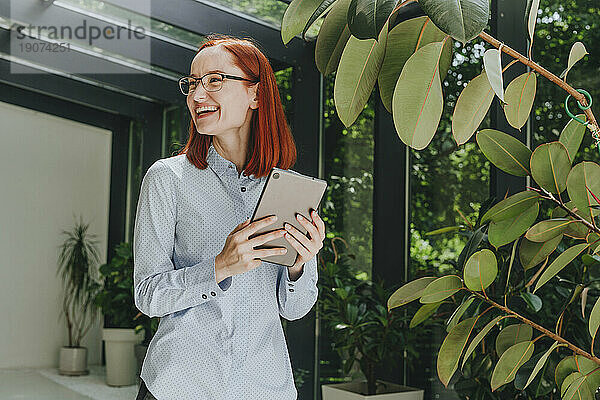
220	165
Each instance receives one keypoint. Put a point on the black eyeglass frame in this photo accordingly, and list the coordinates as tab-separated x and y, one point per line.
223	76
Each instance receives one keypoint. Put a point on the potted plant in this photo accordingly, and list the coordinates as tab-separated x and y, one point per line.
117	303
77	266
354	313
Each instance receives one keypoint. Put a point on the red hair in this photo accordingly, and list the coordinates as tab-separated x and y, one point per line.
271	140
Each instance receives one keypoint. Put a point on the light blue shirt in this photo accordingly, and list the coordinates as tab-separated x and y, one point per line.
215	341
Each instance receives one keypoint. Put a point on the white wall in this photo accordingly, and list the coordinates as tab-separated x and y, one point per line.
51	171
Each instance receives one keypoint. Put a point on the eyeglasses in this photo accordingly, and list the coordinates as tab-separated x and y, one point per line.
212	82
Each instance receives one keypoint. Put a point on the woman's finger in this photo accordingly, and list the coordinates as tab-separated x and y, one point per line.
265	237
302	251
240	226
300	237
315	235
262	253
319	223
253	227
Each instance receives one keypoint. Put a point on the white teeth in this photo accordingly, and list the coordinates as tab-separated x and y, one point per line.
206	108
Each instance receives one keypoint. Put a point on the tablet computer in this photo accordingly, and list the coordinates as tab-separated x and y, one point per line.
286	193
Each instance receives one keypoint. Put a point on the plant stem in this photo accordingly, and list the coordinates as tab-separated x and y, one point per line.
540	328
593	124
571	213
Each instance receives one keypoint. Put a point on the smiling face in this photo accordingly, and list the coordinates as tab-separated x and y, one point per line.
235	100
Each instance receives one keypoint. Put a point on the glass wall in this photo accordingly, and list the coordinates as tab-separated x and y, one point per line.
448	185
134	175
561	24
347	207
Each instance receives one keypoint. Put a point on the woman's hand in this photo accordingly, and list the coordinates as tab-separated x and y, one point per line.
306	246
238	254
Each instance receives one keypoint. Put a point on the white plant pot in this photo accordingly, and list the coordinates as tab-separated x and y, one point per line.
121	364
73	361
355	391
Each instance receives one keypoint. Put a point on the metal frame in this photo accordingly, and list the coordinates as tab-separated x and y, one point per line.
81	92
204	18
507	26
164	54
391	212
130	79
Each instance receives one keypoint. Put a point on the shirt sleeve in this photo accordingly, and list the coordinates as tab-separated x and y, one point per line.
296	298
159	288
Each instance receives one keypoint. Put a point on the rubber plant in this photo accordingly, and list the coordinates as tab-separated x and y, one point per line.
357	323
406	48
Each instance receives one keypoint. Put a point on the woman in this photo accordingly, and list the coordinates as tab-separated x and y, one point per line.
220	335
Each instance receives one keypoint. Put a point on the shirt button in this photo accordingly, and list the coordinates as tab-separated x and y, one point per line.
243	189
213	294
231	166
291	290
204	296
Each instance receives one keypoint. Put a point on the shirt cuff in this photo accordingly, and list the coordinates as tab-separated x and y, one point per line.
201	278
307	277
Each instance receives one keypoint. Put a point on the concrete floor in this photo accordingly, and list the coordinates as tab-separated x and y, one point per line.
47	384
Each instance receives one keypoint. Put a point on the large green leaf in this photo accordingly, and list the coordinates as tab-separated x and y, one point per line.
417	102
594	322
540	363
452	348
403	40
296	17
559	263
366	18
504	151
583	178
576	228
572	136
424	312
579	385
576	387
493	69
547	229
511	206
511	335
509	363
356	75
481	270
505	231
332	38
594	241
323	9
533	301
532	13
519	97
409	292
571	364
461	19
471	108
550	166
478	338
458	313
441	289
577	52
533	253
471	246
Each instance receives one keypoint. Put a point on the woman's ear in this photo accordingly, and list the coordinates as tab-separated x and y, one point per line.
254	105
